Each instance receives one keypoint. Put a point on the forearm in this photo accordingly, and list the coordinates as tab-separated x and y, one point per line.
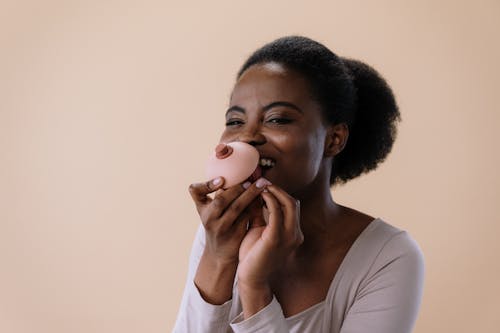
214	279
195	314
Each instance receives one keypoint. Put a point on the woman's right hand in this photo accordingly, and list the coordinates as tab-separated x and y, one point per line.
225	216
225	219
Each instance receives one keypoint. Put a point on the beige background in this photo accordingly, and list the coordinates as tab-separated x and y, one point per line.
108	110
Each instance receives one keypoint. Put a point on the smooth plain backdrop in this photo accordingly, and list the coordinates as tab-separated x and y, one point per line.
108	110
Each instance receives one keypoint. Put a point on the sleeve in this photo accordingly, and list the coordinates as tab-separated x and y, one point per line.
270	319
389	297
195	314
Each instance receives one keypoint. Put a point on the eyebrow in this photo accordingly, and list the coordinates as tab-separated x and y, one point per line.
267	107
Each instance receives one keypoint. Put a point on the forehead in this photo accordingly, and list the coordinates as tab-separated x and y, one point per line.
262	84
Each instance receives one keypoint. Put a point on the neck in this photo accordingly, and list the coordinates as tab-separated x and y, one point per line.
319	213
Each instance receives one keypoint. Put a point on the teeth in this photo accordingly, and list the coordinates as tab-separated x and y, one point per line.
266	162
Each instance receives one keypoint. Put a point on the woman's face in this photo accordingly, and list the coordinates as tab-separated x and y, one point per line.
272	109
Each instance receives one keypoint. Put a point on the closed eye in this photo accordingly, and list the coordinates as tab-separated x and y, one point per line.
234	122
280	121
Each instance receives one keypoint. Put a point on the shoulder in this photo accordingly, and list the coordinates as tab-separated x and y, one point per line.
392	243
384	281
391	253
383	249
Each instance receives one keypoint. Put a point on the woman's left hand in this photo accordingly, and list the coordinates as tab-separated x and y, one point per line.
266	246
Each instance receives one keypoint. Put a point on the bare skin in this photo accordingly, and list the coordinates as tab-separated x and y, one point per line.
298	235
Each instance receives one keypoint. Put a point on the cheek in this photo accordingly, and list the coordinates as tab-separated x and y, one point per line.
301	165
316	148
304	154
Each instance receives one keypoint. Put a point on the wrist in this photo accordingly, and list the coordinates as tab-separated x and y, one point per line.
254	297
218	261
214	279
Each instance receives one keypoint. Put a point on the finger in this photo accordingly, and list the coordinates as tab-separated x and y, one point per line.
199	191
222	200
275	215
290	206
256	212
241	203
240	226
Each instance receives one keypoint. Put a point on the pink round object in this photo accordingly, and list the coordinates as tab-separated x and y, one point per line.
236	167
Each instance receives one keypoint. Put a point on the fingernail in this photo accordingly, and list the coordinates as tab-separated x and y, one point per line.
246	185
217	181
261	182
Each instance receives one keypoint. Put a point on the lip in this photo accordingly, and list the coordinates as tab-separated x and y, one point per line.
265	154
256	174
264	169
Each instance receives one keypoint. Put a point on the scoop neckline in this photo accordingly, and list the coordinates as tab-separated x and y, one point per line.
305	311
354	245
349	254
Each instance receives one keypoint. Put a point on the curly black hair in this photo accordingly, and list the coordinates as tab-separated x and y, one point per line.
349	91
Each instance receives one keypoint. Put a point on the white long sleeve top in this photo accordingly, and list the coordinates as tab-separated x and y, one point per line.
377	289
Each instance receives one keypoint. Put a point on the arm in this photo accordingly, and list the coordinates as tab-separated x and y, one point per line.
207	296
195	314
264	249
389	298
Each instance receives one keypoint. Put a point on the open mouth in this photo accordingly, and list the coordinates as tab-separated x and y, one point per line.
265	163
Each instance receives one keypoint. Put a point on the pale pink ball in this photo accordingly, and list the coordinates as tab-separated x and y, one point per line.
236	167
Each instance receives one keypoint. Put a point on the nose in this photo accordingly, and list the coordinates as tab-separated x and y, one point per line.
252	135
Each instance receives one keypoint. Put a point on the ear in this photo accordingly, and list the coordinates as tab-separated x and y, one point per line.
336	139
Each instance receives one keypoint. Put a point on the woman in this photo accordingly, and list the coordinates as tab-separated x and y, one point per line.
279	254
